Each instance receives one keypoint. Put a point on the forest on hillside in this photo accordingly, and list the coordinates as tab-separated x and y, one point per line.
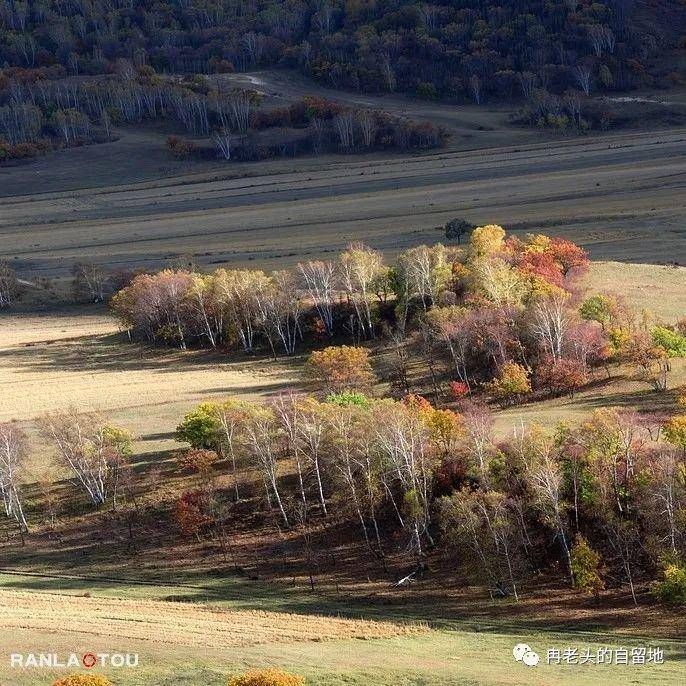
71	71
460	48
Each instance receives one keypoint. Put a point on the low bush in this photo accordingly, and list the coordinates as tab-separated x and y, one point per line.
181	148
672	341
267	677
83	680
672	589
21	151
198	460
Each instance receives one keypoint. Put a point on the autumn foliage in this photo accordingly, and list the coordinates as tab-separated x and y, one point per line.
500	321
267	677
586	567
562	376
190	513
458	389
83	680
501	315
341	368
511	384
200	461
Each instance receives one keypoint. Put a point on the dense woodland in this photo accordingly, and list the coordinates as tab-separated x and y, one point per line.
552	55
499	321
466	48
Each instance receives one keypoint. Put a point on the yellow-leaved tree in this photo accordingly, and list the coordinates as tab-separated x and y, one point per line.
486	240
341	368
267	677
511	384
83	680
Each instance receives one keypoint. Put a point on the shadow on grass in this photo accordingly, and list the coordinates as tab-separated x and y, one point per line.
114	352
239	593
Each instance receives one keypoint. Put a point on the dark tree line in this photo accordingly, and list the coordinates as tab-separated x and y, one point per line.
552	55
466	48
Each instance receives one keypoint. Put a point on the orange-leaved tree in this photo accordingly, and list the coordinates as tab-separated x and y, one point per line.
341	368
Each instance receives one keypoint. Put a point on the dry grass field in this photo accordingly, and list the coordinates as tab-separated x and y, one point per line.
620	195
660	290
189	644
78	357
183	624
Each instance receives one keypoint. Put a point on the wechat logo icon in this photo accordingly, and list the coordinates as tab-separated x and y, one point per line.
522	653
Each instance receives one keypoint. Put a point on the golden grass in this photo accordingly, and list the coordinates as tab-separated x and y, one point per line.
180	624
50	360
76	356
656	288
623	393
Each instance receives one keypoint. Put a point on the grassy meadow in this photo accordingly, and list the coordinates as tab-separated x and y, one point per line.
212	633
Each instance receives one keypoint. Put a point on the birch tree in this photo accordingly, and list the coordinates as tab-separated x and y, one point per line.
311	432
9	284
223	141
90	281
343	125
360	269
231	416
320	282
237	296
366	122
279	307
451	327
13	454
551	322
202	303
669	497
92	450
545	478
423	272
403	443
262	437
484	524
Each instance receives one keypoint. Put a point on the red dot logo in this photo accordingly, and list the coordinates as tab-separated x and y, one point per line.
89	660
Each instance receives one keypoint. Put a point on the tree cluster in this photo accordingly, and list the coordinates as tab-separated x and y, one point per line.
608	493
600	503
502	316
36	113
